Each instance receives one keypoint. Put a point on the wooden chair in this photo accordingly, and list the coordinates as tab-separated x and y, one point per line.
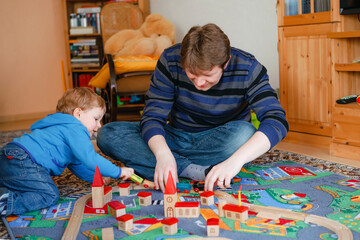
115	17
125	84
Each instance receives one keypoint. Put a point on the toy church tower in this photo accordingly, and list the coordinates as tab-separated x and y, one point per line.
170	197
98	190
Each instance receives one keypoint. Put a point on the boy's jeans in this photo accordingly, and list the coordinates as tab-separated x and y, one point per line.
29	185
122	141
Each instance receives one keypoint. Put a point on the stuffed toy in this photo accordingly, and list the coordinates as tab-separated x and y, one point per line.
154	35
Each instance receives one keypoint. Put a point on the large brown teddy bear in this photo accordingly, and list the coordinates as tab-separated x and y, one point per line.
154	35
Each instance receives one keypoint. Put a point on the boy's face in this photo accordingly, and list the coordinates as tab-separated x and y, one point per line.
90	118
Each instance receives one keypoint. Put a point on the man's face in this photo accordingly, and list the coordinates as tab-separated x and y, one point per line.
206	79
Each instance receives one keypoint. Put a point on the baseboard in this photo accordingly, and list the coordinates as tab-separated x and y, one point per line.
22	117
308	139
345	151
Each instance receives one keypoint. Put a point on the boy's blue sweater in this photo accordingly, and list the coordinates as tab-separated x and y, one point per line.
59	141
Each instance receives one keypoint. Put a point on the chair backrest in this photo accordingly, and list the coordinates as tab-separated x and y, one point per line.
117	16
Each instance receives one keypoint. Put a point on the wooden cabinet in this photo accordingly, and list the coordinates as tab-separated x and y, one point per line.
79	68
305	64
346	81
316	49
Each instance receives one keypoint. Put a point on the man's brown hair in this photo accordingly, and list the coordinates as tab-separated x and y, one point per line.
79	97
204	48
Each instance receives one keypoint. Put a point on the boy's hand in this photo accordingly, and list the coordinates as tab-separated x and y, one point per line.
126	173
106	180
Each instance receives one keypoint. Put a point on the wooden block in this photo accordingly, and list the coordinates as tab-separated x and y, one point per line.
144	198
125	222
169	226
124	189
212	227
269	214
107	233
207	198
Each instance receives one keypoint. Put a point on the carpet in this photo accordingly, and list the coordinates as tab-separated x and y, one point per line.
324	189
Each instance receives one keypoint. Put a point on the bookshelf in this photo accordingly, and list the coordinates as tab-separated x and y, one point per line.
83	38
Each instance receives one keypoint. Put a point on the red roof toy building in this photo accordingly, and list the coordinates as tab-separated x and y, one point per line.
169	226
212	221
144	194
116	205
124	185
97	181
170	186
125	218
187	204
212	227
235	208
170	221
207	194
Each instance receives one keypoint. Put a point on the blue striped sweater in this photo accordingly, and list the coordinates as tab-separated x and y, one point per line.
244	86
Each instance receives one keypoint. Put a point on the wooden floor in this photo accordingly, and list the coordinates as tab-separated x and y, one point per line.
285	146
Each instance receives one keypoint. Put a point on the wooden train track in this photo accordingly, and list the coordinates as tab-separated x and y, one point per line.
74	223
341	230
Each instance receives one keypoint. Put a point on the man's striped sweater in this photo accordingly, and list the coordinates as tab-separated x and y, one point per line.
244	86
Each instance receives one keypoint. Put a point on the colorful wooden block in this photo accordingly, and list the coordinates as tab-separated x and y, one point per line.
144	198
125	222
212	227
116	209
207	198
169	226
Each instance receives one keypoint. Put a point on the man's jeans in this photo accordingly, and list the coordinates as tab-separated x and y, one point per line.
29	185
122	141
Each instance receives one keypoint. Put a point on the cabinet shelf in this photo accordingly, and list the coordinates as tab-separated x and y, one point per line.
137	105
85	35
348	106
85	69
348	67
351	34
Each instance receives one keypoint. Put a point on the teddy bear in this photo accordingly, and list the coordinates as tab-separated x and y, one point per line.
153	36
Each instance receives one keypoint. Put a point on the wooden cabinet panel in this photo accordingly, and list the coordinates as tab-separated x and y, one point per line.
346	122
305	68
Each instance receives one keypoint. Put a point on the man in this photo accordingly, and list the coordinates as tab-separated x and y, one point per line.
197	113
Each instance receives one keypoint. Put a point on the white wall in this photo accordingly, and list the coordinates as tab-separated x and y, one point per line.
250	24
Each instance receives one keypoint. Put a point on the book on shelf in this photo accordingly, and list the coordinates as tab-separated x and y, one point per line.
94	65
78	60
89	9
82	79
82	30
83	41
84	49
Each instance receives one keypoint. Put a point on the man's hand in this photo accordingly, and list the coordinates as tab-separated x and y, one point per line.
221	175
164	165
165	161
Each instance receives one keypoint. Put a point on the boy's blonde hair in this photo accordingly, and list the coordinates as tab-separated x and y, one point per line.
79	97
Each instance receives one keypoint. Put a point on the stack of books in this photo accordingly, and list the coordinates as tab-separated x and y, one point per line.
84	53
82	79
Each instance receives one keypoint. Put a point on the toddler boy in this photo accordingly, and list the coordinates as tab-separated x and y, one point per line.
56	142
